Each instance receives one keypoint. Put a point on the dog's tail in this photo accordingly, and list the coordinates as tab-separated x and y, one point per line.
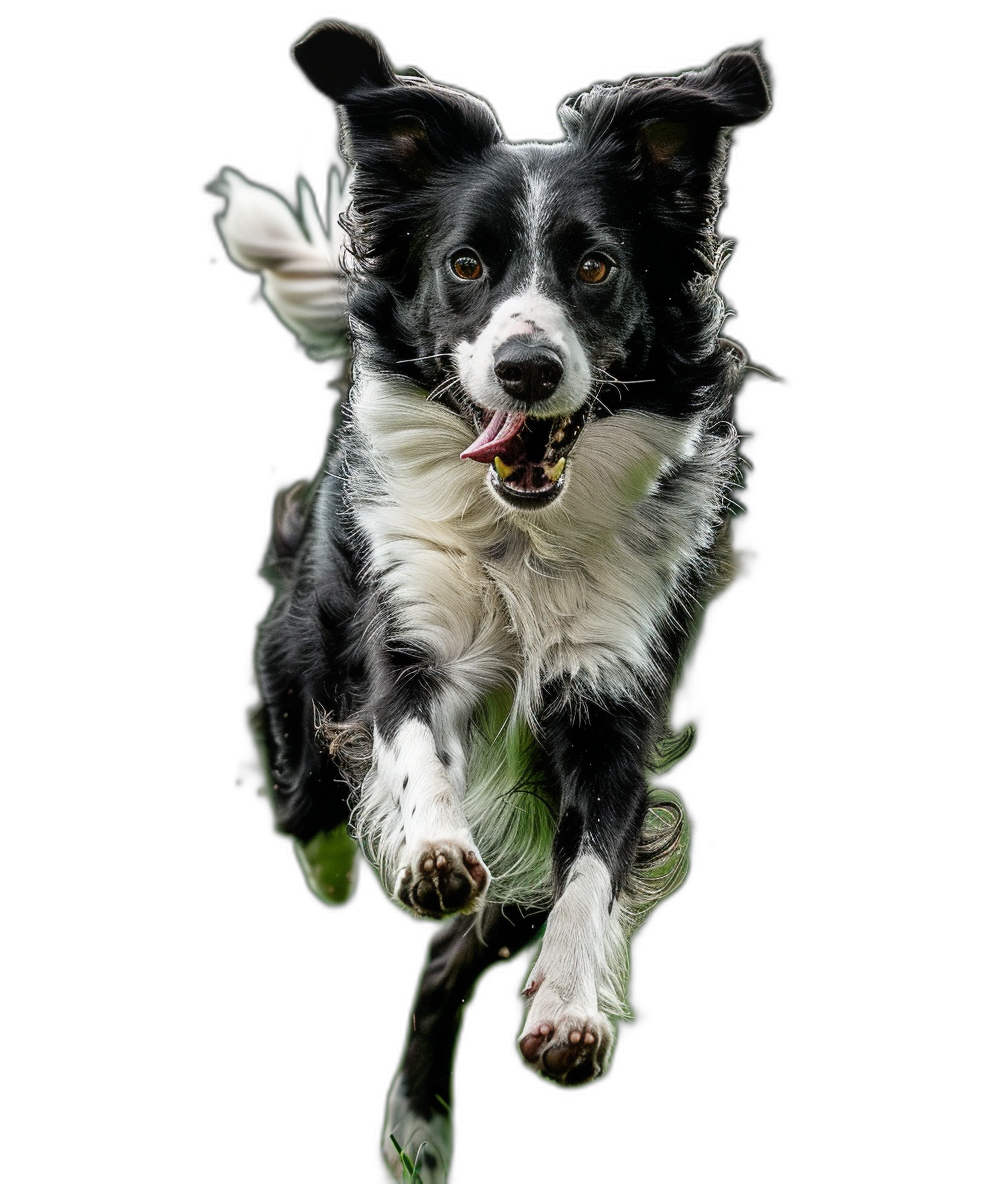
299	256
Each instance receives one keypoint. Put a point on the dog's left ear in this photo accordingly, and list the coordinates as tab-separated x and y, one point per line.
733	89
672	123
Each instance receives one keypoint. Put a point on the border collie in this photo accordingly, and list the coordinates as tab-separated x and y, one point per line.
485	598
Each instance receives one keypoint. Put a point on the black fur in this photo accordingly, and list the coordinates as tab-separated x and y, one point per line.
639	180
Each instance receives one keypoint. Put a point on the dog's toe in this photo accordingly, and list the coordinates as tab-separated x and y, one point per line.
425	895
455	891
475	869
532	1044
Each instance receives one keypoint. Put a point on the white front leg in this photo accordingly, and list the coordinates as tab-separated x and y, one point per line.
580	968
410	819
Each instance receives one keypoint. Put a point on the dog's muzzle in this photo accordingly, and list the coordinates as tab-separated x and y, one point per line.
527	446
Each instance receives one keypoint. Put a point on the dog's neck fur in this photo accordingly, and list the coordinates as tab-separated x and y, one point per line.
575	590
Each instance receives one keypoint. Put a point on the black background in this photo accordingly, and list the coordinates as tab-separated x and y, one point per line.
291	1015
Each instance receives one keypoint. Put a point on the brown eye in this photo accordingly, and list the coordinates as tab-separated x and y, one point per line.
593	269
466	266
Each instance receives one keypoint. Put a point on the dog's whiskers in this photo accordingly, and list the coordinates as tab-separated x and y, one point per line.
604	378
447	386
421	358
596	400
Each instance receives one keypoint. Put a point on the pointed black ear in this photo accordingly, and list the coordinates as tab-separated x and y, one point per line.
733	89
339	59
400	125
729	92
673	130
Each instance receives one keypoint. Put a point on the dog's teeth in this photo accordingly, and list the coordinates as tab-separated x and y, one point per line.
554	471
503	471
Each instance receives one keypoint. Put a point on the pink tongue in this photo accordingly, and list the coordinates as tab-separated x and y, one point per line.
502	428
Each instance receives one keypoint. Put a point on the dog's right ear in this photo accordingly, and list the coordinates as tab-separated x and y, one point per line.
339	60
401	125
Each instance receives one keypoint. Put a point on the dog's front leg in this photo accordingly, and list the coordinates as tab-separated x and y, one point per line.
578	980
436	869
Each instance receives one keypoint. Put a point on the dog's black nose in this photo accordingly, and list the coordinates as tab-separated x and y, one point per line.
527	370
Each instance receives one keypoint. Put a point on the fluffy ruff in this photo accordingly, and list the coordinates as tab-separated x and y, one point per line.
484	600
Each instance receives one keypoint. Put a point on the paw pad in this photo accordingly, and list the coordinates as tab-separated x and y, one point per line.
571	1050
442	879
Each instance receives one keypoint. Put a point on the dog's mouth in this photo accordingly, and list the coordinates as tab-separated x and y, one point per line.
527	457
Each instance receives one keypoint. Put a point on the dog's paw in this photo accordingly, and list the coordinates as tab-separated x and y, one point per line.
441	878
427	1142
567	1044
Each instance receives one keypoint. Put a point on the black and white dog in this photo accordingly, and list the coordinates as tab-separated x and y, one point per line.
485	599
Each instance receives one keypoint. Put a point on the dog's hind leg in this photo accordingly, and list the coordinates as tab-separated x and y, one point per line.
306	675
419	1104
308	792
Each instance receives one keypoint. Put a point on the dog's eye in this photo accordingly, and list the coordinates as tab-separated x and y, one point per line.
593	269
466	266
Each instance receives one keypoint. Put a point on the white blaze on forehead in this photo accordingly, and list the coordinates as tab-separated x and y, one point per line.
528	313
535	213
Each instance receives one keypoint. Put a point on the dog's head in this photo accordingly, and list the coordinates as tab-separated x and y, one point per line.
532	287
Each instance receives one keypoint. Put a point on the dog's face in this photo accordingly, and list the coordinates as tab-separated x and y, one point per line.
540	281
532	297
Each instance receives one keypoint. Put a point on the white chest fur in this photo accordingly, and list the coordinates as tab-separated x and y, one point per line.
577	588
